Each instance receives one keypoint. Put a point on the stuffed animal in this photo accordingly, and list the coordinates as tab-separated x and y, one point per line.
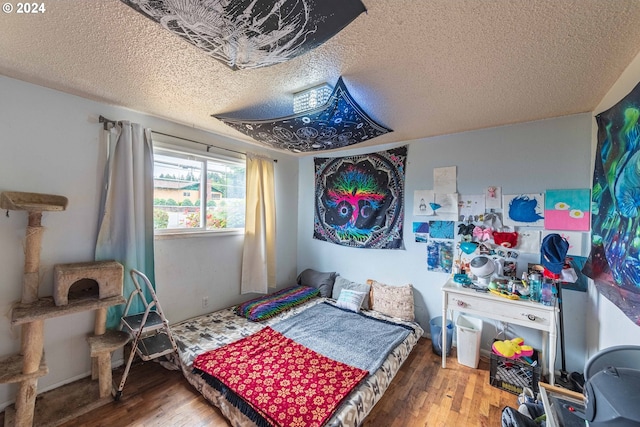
512	349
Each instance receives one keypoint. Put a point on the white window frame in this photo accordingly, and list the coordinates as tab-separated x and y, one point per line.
188	154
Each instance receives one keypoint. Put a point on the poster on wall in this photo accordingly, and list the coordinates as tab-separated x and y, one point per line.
614	260
422	202
471	207
440	256
524	210
493	197
567	210
359	200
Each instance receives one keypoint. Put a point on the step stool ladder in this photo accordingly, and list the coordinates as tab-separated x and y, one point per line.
150	334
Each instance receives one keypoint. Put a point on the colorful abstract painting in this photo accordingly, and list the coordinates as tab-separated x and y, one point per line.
524	210
614	261
421	227
440	255
441	229
359	200
245	34
567	210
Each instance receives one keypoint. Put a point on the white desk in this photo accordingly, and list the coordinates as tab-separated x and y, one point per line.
518	312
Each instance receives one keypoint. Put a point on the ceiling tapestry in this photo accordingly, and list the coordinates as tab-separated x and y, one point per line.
339	123
245	34
614	261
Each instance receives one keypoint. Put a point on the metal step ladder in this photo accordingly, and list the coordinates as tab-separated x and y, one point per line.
150	334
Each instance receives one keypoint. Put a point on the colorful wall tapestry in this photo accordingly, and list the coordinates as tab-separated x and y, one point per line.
246	34
567	209
614	261
359	200
340	122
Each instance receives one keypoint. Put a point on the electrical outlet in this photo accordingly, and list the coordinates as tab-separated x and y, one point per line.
205	302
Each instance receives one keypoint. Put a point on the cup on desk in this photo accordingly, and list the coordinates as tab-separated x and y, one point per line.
546	292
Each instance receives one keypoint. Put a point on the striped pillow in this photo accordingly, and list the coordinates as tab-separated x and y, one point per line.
350	300
267	306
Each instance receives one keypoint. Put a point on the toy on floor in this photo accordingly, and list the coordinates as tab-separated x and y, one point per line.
512	349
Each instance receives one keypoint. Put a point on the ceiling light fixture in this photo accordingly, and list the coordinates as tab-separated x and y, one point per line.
311	98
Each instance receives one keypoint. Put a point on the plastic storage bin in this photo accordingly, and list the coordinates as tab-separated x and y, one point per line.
469	332
435	326
513	375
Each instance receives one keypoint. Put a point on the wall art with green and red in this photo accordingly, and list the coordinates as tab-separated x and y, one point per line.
614	261
359	200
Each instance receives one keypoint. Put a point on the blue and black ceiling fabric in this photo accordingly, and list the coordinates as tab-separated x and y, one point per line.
340	122
246	34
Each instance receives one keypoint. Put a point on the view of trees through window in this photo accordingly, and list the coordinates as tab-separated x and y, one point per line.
178	197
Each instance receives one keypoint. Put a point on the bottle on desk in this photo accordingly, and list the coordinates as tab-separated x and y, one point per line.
535	287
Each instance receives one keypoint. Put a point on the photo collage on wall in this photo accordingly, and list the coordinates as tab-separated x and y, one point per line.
456	227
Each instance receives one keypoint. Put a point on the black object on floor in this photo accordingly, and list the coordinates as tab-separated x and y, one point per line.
577	381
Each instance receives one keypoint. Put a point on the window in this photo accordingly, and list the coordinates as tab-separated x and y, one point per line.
178	197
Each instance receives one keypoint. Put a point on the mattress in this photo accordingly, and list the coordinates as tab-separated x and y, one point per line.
214	330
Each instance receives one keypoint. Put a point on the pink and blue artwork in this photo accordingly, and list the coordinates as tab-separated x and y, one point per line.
567	210
524	210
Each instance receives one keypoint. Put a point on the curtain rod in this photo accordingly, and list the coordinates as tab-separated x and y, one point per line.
107	122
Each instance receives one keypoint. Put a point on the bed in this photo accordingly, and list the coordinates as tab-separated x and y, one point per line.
222	328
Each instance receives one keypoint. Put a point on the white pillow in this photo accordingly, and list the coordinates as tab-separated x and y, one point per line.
342	283
350	300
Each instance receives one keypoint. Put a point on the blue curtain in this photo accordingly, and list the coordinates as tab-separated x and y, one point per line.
126	218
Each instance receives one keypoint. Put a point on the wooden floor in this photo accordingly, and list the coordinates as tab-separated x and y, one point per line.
422	394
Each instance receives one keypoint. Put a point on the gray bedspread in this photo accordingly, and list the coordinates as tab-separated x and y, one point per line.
326	328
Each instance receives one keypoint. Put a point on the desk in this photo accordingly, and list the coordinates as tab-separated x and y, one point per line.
518	312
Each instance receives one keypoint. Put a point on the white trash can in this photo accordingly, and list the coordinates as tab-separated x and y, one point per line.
469	331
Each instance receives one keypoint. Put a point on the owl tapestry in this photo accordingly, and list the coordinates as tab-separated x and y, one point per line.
614	261
359	200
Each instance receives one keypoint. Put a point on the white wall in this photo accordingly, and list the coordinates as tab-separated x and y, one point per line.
51	143
523	158
612	327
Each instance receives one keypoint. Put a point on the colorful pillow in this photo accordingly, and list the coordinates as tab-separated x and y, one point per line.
394	301
267	306
318	280
350	300
342	283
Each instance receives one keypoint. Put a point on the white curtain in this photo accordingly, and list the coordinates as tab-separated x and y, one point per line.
125	231
259	252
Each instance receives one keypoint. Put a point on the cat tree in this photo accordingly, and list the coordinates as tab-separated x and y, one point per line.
98	285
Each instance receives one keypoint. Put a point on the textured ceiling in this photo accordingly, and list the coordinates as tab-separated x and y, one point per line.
422	68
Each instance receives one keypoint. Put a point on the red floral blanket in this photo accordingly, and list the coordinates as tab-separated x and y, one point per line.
285	382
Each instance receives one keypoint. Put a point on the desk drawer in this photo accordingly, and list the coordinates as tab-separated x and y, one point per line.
502	309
